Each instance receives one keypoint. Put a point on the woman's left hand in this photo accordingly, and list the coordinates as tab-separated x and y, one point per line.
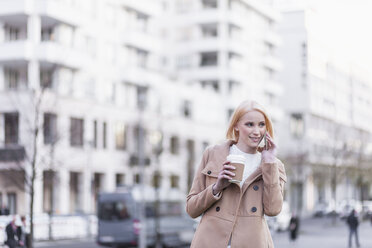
268	154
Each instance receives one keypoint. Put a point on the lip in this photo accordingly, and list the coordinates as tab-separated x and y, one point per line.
255	139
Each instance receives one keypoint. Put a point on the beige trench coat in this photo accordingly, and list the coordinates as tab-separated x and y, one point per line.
237	212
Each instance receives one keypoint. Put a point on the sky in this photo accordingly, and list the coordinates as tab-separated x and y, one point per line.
351	21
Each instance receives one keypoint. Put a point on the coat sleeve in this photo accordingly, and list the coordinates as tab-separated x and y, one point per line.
200	197
274	178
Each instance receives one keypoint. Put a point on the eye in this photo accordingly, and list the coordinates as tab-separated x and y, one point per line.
249	124
262	124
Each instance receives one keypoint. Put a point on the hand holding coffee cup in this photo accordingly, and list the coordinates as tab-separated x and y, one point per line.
238	162
224	176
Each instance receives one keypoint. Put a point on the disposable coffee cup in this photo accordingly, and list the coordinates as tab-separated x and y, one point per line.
238	162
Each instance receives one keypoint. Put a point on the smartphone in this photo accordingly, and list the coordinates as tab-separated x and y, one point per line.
263	142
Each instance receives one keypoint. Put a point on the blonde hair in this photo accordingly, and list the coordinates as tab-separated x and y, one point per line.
241	110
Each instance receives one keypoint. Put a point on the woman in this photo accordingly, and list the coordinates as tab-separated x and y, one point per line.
232	214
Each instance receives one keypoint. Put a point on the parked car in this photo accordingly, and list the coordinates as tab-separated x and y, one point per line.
367	210
281	221
344	207
119	221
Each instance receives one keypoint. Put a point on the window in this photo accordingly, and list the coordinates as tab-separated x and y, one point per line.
209	4
11	78
229	113
46	78
156	179
141	97
186	109
211	84
137	178
120	179
95	134
11	128
12	203
114	211
297	125
209	30
174	145
208	59
76	132
104	135
47	34
50	128
11	33
174	181
120	136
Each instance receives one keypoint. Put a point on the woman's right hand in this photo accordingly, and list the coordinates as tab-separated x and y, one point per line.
224	176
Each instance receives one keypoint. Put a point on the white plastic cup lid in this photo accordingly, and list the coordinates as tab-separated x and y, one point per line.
235	158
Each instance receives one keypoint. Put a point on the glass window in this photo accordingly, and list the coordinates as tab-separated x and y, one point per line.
11	128
174	145
46	78
113	211
76	132
174	180
11	77
297	125
209	59
104	135
120	136
95	134
50	128
12	203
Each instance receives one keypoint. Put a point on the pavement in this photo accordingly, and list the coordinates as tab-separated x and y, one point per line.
314	233
323	233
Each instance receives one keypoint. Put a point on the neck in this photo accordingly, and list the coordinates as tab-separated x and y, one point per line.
244	148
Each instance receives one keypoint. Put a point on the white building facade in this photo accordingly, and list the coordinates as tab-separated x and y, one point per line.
98	68
326	135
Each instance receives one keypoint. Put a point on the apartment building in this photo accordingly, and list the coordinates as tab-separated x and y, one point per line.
228	47
325	134
101	68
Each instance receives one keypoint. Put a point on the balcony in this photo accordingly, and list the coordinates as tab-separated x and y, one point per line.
15	51
59	11
14	7
14	153
145	41
59	54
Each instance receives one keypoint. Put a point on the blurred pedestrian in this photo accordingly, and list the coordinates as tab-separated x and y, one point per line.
225	206
294	224
22	233
11	233
353	223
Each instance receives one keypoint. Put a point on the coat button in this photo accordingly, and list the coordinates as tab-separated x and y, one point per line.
209	172
255	187
254	209
217	209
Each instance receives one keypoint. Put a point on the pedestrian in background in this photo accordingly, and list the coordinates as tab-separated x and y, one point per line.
225	206
22	233
294	224
11	233
353	223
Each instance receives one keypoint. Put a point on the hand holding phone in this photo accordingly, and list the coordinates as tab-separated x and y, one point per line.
263	142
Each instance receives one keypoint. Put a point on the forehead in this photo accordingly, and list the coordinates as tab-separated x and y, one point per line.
253	115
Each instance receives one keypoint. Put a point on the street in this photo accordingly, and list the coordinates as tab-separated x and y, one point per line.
313	232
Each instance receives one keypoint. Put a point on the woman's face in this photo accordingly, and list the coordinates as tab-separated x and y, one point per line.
251	127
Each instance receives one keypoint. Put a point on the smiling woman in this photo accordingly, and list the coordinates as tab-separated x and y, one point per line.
224	205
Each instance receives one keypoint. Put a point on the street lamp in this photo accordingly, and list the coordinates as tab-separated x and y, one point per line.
156	140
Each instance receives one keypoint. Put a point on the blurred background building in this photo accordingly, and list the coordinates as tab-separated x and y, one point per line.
94	65
325	135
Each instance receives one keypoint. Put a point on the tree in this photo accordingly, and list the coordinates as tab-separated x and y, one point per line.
28	159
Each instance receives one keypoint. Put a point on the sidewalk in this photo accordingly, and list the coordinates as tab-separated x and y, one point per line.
321	233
